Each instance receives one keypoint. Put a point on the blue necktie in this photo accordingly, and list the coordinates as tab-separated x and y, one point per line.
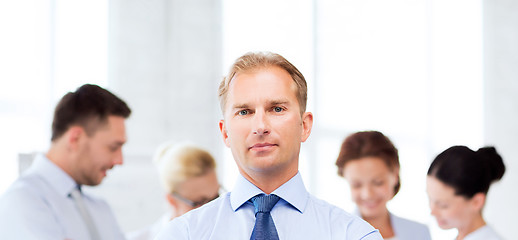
264	228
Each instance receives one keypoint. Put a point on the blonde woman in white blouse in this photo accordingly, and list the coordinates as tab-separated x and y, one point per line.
188	175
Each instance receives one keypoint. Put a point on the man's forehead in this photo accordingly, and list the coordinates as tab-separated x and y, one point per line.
243	76
272	101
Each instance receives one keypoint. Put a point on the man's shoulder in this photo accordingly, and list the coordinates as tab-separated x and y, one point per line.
326	208
22	202
29	186
209	210
197	222
339	221
27	195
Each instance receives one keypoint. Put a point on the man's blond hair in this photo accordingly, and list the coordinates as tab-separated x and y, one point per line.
256	60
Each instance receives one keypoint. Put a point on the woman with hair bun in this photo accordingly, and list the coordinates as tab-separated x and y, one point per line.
370	163
457	185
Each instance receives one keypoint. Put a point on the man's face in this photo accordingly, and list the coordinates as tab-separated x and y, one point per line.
262	123
100	152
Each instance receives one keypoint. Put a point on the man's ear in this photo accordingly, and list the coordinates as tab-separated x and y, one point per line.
307	124
224	134
73	137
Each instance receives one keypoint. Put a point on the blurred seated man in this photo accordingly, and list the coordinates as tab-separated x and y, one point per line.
188	175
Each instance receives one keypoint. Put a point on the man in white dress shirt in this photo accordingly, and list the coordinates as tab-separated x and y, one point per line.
46	202
263	100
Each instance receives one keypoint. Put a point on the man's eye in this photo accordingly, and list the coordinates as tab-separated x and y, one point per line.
242	112
114	149
277	109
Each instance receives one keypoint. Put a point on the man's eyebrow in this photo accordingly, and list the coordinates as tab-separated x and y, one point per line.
278	102
271	103
239	106
118	143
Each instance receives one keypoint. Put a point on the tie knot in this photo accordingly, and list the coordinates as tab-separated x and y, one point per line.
264	203
75	192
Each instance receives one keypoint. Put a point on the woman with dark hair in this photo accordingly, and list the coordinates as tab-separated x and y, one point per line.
457	185
370	163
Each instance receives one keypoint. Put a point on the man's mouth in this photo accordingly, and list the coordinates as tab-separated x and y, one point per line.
262	146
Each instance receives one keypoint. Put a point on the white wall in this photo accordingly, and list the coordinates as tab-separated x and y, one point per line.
501	108
165	61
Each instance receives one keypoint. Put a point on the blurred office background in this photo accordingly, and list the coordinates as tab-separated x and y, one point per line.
428	73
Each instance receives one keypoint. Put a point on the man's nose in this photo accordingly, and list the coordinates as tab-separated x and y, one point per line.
260	124
118	160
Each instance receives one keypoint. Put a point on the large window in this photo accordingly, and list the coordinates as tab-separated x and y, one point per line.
47	48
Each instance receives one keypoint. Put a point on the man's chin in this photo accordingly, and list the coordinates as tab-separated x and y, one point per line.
265	165
94	182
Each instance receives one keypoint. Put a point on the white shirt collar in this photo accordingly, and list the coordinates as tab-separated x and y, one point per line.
54	175
293	192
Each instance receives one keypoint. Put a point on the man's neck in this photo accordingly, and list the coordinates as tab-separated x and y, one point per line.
57	156
270	181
